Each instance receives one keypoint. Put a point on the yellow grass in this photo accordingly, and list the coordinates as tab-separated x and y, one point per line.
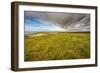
57	46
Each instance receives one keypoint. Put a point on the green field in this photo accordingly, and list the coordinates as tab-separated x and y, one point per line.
57	46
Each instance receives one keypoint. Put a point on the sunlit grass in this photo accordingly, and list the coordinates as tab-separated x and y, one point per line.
57	46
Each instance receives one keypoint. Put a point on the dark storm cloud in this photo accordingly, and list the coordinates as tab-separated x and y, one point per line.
68	21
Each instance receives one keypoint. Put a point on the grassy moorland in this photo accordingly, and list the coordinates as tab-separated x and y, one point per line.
57	46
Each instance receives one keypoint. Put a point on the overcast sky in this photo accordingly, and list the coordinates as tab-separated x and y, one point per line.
52	21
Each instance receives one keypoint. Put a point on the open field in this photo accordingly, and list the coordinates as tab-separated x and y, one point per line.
57	46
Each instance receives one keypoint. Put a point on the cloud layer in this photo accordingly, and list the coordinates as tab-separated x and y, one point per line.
77	22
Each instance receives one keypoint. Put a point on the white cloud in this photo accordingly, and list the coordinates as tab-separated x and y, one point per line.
29	21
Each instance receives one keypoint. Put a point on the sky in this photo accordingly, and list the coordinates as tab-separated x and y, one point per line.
35	24
56	21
